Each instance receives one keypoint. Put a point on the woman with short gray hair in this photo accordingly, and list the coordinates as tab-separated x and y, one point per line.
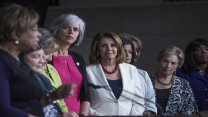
68	29
69	19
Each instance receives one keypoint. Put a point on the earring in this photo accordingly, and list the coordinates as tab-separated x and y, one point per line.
16	42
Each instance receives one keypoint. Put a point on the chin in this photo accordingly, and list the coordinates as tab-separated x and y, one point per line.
128	61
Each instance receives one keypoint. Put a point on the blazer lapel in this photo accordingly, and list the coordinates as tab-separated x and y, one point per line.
124	75
101	79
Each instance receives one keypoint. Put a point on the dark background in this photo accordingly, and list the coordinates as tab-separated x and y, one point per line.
158	23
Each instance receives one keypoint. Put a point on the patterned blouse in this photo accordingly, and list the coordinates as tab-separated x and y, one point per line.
181	99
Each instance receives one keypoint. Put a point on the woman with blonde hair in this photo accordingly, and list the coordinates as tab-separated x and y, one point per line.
173	93
122	91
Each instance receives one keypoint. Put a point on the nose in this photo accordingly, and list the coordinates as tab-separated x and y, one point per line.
70	29
204	50
39	34
43	60
108	46
169	64
127	54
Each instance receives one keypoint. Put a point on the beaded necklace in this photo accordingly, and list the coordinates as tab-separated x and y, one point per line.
110	72
164	83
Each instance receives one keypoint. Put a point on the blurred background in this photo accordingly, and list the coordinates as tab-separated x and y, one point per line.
158	23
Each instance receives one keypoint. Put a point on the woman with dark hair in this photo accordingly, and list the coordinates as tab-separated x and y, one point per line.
128	49
143	75
195	70
20	91
137	43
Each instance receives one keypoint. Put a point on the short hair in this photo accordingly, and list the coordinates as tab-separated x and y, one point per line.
14	17
94	56
69	19
133	38
126	42
190	62
172	50
47	41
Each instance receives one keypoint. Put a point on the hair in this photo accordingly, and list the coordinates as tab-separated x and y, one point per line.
47	41
126	42
94	56
14	17
172	50
133	38
190	62
69	19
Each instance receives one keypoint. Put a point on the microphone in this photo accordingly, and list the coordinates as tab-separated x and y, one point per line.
97	86
108	88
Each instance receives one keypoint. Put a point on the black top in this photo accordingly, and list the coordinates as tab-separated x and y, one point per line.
162	98
20	90
115	84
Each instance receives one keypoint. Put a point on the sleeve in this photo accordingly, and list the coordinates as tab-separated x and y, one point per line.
189	106
6	109
84	92
138	100
94	112
149	92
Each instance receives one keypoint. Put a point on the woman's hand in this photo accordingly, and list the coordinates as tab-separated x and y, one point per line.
63	91
30	115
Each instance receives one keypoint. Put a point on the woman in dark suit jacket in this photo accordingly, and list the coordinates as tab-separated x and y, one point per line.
20	91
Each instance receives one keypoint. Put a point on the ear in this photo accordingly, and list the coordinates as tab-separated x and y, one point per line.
15	35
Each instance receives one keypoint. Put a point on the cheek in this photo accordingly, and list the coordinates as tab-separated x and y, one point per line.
30	62
130	55
174	67
161	65
76	34
61	34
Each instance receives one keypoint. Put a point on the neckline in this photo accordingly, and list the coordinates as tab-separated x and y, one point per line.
164	83
63	52
110	72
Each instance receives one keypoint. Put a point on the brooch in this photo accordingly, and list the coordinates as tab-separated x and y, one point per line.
77	63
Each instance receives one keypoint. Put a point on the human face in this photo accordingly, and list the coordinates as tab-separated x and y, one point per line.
48	54
137	50
201	54
107	49
128	53
68	34
168	65
35	60
29	39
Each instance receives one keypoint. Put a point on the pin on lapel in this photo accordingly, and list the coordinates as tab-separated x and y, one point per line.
77	63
